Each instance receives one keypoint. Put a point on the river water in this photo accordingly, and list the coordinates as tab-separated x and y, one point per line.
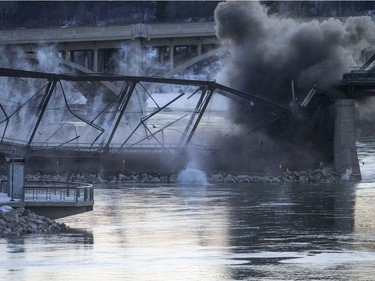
212	232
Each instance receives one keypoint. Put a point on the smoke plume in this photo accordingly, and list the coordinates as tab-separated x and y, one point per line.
268	51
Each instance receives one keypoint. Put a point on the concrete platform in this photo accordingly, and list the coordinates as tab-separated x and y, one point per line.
53	200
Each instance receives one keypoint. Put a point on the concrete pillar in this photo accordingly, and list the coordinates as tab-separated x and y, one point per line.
137	57
171	58
71	56
95	59
199	48
86	58
63	55
345	150
101	60
161	55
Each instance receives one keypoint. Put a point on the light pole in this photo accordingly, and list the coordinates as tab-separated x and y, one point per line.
12	182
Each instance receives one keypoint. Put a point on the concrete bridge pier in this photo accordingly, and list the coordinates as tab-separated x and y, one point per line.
345	151
171	56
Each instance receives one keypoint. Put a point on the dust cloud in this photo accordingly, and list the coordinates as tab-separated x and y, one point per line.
267	53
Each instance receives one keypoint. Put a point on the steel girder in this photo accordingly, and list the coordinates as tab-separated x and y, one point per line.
115	127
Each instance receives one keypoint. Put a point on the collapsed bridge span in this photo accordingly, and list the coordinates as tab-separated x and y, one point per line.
59	116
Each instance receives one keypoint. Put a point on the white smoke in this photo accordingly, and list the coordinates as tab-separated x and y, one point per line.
267	52
22	96
131	59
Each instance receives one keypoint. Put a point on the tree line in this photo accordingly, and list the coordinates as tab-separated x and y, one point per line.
34	14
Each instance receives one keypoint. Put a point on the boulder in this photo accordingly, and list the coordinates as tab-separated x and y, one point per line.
21	221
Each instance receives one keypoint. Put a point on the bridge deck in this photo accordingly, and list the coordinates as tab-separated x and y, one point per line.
126	32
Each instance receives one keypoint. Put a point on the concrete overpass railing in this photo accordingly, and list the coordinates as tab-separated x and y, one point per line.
130	32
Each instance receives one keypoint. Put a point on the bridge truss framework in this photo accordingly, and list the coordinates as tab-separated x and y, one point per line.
70	115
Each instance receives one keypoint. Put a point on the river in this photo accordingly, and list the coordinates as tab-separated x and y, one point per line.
212	232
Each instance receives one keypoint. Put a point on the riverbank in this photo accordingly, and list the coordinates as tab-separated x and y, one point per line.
21	221
325	175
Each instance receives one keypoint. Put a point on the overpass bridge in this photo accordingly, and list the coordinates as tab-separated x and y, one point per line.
94	47
157	48
360	82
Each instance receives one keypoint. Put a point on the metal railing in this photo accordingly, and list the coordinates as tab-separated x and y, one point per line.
114	148
49	191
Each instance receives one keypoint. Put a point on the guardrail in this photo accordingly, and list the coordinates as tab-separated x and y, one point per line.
89	149
49	191
359	76
80	146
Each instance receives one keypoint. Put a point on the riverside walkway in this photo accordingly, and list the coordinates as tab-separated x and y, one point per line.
52	199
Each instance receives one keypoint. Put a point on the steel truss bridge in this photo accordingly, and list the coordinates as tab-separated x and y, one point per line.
360	82
92	115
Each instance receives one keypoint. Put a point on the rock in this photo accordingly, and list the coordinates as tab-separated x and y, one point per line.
229	179
243	178
302	179
100	180
173	178
155	180
6	232
217	178
134	178
20	211
31	227
20	221
318	175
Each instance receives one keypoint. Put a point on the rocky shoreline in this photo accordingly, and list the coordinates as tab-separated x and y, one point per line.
325	175
21	221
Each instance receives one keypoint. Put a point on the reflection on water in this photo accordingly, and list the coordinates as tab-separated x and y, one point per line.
364	221
213	232
366	154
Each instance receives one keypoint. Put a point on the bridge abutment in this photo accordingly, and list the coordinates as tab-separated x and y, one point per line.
345	151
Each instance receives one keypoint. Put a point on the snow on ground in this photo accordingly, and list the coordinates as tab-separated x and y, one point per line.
4	197
5	209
